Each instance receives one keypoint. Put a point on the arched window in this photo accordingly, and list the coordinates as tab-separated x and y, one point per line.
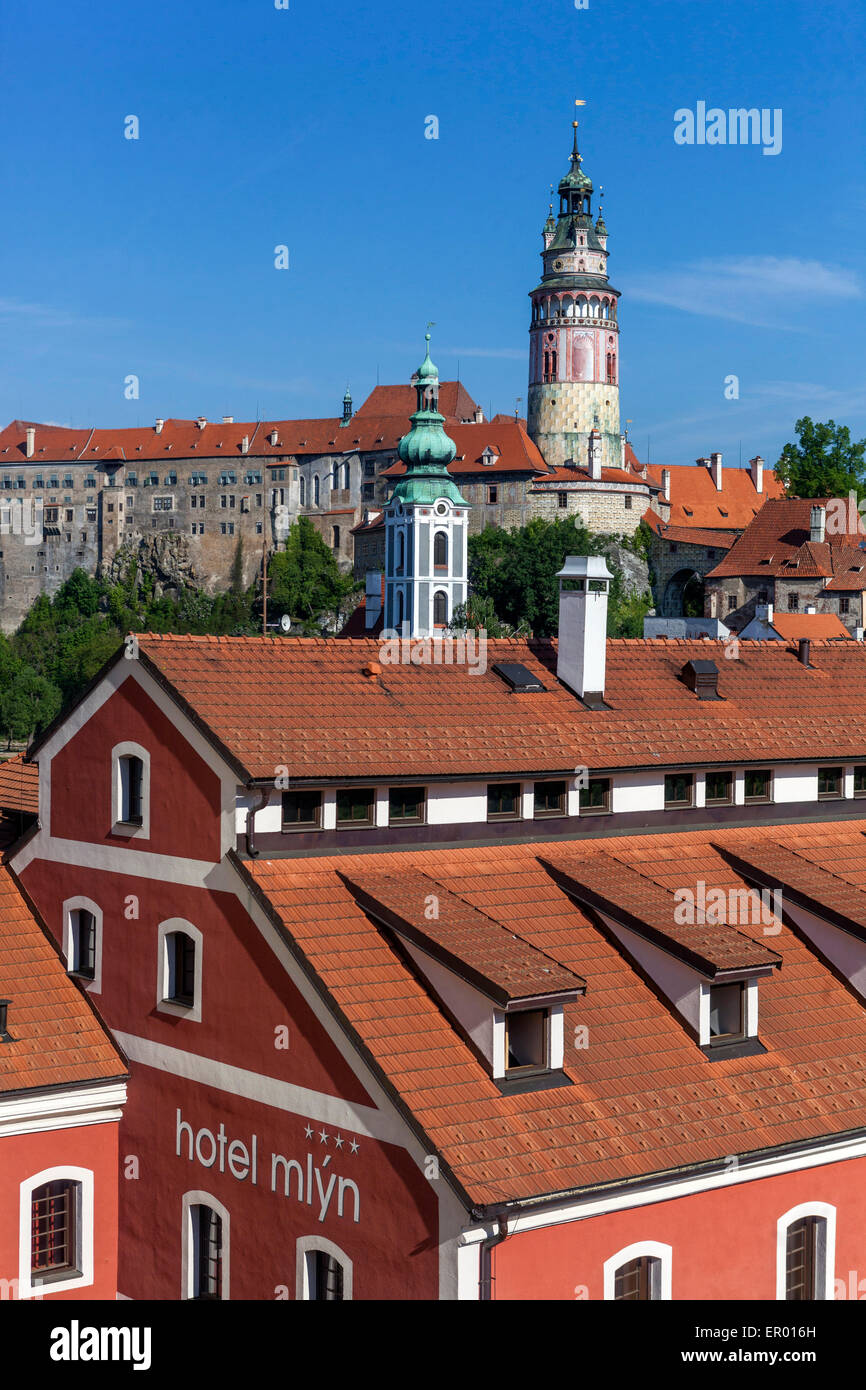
82	943
440	551
316	491
179	972
323	1271
805	1253
440	608
303	491
56	1232
640	1272
347	477
593	303
205	1248
130	790
581	307
568	306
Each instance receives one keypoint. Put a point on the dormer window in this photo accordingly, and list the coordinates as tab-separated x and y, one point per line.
727	1012
526	1042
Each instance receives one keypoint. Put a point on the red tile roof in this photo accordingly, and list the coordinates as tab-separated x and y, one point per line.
644	1099
557	476
777	544
515	451
793	626
695	502
467	941
58	1039
604	881
695	535
19	785
307	702
455	402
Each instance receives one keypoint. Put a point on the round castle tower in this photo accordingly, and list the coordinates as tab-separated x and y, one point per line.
573	413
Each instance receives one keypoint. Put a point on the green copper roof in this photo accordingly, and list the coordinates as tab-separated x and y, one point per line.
427	450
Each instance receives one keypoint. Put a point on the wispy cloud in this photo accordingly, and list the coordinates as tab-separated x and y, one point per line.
13	311
759	290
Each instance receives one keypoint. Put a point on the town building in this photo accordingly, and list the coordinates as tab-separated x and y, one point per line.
469	972
62	1091
789	558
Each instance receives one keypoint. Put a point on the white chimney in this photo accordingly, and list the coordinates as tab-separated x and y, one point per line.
373	601
245	444
228	419
810	608
274	438
584	582
817	524
31	441
716	470
479	415
757	468
158	426
666	484
201	422
595	456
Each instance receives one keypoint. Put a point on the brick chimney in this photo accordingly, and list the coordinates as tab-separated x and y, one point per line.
817	524
584	582
756	467
716	470
31	441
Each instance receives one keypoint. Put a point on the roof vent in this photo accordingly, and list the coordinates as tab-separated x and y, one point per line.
518	677
703	678
803	650
5	1036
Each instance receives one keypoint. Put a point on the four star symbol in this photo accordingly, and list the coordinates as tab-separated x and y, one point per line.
339	1141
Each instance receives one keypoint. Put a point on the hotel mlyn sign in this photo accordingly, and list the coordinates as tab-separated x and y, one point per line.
287	1175
382	1053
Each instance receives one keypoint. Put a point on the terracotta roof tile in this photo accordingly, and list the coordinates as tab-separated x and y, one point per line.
19	785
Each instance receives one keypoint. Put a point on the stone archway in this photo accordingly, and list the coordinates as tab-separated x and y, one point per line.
684	595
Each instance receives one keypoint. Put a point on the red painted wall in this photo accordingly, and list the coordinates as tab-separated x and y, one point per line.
724	1242
246	993
86	1146
393	1245
184	796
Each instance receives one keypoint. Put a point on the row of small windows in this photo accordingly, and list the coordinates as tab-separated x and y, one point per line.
356	807
568	307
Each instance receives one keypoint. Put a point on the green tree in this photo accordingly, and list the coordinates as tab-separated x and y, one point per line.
28	703
825	462
305	581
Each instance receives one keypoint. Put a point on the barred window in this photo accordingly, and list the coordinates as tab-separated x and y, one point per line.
207	1230
54	1221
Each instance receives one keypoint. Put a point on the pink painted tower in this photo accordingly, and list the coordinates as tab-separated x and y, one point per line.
573	411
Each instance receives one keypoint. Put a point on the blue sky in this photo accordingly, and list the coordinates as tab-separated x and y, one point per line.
305	127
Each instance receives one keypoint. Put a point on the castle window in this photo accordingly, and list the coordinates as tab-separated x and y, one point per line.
440	547
335	537
440	609
492	495
562	500
793	603
303	487
316	491
628	501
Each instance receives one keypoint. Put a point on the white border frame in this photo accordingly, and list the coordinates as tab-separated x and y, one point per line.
119	827
27	1288
655	1250
78	904
307	1245
189	1200
167	1006
822	1209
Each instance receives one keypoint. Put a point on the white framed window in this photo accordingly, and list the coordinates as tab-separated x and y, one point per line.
82	941
323	1272
179	969
728	1012
806	1253
643	1270
205	1248
55	1242
130	791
